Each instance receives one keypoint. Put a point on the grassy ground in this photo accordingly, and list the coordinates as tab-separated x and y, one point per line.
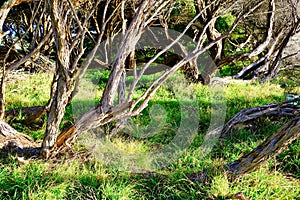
101	178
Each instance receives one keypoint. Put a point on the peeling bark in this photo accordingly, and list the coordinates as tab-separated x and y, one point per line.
64	81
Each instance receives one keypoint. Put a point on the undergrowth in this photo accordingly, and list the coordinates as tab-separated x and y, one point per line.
102	177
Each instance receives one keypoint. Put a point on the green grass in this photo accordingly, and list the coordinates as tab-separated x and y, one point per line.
28	90
104	177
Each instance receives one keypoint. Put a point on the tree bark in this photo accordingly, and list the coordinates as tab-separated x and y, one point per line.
2	94
4	10
271	147
64	81
217	49
9	137
105	111
283	109
69	50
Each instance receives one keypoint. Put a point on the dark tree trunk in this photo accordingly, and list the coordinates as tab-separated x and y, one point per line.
271	147
2	95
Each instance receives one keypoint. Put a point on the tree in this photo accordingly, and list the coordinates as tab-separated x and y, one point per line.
74	25
9	65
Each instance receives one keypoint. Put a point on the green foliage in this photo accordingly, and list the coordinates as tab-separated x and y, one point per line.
289	80
230	70
291	160
65	181
264	184
224	23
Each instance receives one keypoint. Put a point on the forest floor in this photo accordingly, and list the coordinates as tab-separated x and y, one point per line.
99	177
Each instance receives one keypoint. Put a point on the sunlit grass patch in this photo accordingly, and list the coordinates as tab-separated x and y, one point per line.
264	184
26	90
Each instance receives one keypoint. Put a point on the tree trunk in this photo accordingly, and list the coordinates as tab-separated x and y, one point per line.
4	10
105	111
283	109
213	34
2	95
56	113
271	147
64	81
131	64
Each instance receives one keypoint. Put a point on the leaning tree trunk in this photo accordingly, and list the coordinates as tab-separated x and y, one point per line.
274	144
213	34
4	10
69	51
106	111
56	112
130	64
271	147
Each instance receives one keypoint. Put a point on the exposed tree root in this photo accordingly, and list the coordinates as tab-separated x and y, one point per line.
13	142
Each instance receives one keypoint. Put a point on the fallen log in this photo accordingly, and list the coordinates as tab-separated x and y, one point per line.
31	113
